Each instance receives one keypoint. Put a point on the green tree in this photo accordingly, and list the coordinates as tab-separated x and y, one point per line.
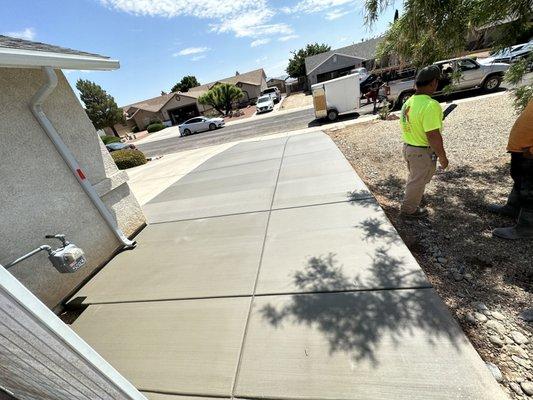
221	97
99	106
429	30
185	84
296	67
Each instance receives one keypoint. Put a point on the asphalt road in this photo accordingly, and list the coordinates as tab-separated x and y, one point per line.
275	124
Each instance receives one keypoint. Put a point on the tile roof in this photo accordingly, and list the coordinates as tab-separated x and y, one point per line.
21	44
365	50
252	77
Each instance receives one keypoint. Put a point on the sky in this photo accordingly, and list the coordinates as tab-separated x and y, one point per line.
159	41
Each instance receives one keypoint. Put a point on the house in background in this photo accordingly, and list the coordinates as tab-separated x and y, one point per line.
174	108
86	197
279	82
339	62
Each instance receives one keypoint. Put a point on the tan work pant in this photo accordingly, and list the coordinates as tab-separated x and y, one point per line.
421	166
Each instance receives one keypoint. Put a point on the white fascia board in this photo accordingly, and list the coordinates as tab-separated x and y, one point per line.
16	58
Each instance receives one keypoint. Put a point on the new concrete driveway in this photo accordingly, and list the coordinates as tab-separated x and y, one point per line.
270	272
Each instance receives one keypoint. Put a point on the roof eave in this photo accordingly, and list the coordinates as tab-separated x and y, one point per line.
16	58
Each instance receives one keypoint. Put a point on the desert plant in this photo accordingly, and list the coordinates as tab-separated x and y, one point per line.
384	112
109	139
128	158
155	127
221	97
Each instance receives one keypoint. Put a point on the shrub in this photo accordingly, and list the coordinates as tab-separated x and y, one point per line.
155	127
154	121
109	139
128	158
135	129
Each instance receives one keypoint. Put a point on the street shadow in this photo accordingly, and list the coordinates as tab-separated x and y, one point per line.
360	323
340	118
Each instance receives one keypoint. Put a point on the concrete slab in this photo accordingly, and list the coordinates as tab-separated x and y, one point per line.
158	396
379	345
333	247
190	259
314	171
247	152
183	347
222	191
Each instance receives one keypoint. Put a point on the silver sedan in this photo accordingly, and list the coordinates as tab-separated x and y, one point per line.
200	124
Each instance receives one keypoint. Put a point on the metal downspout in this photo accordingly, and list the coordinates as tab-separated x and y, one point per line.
36	108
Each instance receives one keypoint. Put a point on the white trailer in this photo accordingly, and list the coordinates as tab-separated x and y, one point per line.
337	96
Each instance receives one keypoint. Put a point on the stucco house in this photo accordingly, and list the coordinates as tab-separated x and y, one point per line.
339	62
175	108
56	175
278	82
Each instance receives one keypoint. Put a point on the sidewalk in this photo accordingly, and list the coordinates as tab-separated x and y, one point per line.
269	271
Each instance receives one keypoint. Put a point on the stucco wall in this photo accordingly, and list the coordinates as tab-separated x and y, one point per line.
332	64
39	195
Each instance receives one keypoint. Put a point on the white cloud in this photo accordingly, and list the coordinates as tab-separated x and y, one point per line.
287	38
336	14
191	50
259	42
243	18
313	6
28	34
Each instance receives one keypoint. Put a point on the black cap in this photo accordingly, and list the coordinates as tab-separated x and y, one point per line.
426	75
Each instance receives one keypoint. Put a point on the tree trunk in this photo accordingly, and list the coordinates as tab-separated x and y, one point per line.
114	131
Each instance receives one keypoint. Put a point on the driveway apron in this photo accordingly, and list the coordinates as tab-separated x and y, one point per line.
270	272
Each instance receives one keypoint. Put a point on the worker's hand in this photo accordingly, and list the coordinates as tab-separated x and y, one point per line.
443	161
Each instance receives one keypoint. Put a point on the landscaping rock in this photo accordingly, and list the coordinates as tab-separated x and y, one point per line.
527	315
496	326
481	306
515	387
517	351
521	361
527	387
518	337
457	276
480	317
442	260
496	340
495	371
469	277
499	316
470	318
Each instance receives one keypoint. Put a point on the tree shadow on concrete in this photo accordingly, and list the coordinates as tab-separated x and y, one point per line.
359	322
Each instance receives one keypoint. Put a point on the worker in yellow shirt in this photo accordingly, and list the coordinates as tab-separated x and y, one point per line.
520	201
421	123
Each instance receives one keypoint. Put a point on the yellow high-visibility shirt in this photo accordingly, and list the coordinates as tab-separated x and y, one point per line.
521	136
420	114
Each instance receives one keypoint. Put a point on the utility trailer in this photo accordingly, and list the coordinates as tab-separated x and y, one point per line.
337	96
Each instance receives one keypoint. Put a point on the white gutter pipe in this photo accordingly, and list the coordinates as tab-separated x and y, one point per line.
36	108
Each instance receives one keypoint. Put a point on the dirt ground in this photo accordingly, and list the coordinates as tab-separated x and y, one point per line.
486	282
297	100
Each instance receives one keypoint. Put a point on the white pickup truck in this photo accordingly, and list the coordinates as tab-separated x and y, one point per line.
473	75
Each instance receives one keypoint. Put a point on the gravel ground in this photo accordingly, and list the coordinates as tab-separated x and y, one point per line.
486	282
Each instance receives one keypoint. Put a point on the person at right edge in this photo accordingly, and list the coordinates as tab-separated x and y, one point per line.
520	201
421	122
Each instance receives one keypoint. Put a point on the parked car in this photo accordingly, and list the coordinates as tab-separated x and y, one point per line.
273	92
509	55
120	146
264	104
200	124
474	75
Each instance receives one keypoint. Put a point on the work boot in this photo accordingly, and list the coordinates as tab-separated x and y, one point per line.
522	230
419	213
510	209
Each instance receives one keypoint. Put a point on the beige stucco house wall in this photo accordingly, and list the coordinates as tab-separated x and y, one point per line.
39	195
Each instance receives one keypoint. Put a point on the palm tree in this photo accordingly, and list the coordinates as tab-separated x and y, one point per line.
221	97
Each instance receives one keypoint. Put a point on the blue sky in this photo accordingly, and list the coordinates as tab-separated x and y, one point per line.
159	41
